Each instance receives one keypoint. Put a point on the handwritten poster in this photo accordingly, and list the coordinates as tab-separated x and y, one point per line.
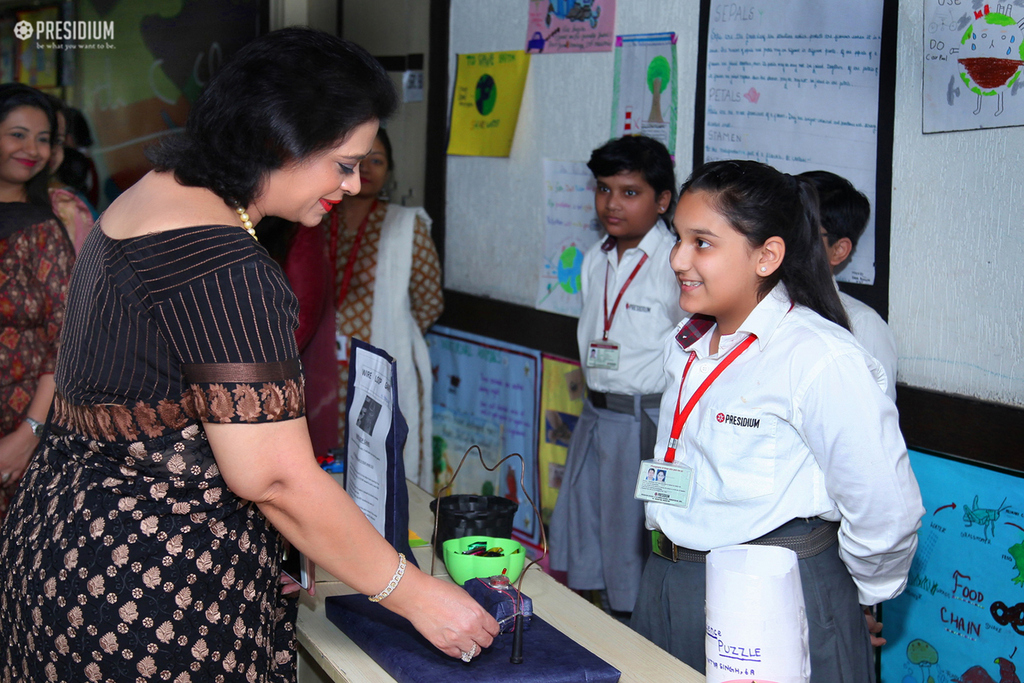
561	403
485	109
571	227
644	87
961	617
487	392
795	85
973	59
570	26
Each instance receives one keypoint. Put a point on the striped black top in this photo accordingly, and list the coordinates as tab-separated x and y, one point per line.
164	329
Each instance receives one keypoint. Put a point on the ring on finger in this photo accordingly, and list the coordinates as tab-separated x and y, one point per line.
467	656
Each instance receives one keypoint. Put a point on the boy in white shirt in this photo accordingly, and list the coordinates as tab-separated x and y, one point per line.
844	216
630	304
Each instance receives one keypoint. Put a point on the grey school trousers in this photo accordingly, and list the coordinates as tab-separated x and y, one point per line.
670	612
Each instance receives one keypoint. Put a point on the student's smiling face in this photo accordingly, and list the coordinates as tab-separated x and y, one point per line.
715	265
628	207
305	191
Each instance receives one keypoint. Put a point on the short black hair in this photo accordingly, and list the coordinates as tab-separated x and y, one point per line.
284	97
12	96
844	210
638	153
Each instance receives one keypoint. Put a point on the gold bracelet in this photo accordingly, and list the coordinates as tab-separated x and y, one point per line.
399	573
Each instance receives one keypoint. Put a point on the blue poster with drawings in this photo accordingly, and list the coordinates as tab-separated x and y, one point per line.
487	393
961	618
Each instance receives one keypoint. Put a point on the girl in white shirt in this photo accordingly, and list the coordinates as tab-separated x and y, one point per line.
794	443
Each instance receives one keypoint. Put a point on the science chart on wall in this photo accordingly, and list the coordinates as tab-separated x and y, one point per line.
561	405
570	228
485	105
557	26
644	87
973	59
961	617
795	85
487	394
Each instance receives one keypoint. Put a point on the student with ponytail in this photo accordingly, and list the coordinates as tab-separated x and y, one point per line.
794	441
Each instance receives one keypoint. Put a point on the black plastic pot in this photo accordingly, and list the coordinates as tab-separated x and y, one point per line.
468	515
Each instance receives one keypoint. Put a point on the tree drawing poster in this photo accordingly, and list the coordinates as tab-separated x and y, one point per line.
644	90
961	617
571	227
570	26
485	104
973	59
795	85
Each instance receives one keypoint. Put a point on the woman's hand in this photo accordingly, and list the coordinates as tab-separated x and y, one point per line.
291	586
15	452
444	614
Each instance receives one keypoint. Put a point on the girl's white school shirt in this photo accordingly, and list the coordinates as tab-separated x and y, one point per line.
797	426
648	311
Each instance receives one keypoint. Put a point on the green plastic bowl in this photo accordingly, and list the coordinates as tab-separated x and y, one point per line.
462	568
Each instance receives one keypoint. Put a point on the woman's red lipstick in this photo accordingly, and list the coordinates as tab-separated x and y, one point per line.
328	204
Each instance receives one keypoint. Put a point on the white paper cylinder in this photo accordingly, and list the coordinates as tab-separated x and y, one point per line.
756	621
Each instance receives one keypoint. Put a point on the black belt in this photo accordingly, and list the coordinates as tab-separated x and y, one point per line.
805	545
622	403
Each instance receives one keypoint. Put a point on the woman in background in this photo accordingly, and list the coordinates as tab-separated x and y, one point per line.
387	278
35	264
70	206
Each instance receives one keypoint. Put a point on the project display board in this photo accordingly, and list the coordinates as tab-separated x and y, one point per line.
795	85
961	617
487	393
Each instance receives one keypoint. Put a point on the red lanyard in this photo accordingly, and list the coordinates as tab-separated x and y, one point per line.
608	318
680	417
350	264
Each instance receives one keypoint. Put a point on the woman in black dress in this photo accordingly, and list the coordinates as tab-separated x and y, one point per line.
144	541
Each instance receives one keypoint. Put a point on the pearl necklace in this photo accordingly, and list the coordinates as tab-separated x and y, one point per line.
246	223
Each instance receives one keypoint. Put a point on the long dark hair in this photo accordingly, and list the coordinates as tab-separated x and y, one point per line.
761	202
284	97
12	96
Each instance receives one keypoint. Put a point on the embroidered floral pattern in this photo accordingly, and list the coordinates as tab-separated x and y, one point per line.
218	402
183	583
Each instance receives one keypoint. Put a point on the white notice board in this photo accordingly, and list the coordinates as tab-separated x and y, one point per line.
795	85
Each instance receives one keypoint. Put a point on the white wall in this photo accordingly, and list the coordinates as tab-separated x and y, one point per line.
957	262
956	291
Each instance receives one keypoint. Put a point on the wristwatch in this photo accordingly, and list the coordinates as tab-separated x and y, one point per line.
36	425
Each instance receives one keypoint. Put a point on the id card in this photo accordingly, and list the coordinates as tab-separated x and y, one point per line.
603	355
664	482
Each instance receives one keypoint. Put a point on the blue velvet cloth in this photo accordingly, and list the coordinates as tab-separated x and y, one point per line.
549	656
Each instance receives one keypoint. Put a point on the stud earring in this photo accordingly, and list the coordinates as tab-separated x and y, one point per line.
764	269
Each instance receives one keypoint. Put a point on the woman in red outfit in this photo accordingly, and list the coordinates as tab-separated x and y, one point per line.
35	264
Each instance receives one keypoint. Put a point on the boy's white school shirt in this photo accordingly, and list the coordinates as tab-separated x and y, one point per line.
647	313
797	426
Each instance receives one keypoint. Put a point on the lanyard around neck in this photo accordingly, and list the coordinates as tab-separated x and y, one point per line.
350	263
608	318
680	416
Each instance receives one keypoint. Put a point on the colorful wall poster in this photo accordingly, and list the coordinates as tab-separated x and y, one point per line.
570	228
644	89
795	85
961	617
37	55
561	402
973	59
485	109
140	88
487	393
570	26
